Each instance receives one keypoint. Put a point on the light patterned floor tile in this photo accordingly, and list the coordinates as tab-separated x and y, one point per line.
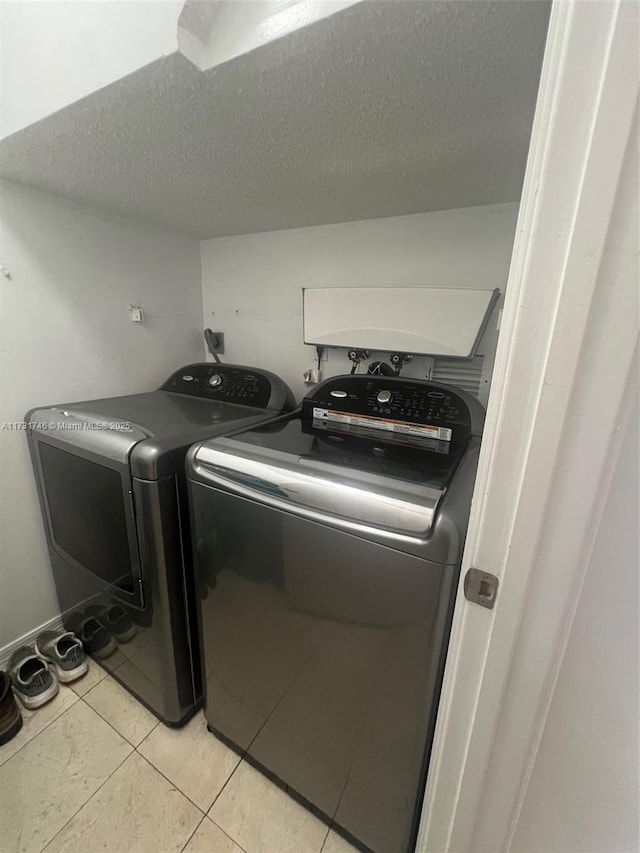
336	844
53	775
209	838
207	768
113	661
261	818
121	710
94	675
135	810
34	722
142	638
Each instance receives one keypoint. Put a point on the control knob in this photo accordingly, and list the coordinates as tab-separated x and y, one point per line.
215	380
383	396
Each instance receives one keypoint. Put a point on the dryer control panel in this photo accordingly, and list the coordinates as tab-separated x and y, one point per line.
231	383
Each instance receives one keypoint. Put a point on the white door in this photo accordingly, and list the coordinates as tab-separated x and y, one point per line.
564	370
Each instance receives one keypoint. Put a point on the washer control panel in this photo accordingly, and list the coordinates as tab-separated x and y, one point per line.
388	405
226	383
413	400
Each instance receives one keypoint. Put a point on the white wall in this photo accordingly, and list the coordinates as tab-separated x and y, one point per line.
583	793
65	332
252	284
65	335
54	52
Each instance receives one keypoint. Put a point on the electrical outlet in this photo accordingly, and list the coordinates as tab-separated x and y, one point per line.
219	342
136	313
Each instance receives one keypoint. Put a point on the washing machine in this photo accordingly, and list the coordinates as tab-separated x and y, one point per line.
110	478
327	549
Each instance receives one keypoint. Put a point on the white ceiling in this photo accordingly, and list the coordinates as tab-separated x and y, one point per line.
389	107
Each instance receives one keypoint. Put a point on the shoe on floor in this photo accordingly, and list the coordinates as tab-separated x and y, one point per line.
95	638
115	619
10	716
64	652
118	621
32	680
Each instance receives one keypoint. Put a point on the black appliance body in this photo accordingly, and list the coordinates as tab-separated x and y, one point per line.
328	547
110	478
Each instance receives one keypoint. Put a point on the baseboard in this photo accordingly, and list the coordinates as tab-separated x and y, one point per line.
56	624
28	639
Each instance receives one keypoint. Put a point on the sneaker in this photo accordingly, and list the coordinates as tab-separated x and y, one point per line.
95	638
64	652
115	619
32	680
120	624
10	716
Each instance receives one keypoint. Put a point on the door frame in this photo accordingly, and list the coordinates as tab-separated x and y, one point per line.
502	663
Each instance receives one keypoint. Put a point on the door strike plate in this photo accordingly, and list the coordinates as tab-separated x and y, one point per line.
481	588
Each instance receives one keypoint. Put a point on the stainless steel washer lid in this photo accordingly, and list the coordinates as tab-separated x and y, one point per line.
348	497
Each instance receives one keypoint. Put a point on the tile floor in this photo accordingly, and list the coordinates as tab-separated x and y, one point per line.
94	770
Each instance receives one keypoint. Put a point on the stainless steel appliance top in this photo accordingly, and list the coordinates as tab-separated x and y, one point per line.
153	429
363	452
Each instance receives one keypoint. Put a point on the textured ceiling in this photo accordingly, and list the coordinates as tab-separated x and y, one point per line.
386	108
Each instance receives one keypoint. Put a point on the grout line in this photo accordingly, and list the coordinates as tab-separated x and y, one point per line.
135	749
86	802
149	762
242	761
217	796
230	837
104	719
203	818
147	736
206	813
91	689
326	838
242	758
346	782
99	681
44	728
173	784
